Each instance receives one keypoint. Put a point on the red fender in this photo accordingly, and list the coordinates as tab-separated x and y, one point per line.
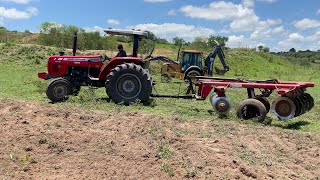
114	62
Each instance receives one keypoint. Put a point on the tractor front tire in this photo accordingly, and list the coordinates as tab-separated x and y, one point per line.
58	90
127	83
191	75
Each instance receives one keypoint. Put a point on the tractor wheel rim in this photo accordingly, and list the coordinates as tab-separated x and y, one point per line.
60	91
128	86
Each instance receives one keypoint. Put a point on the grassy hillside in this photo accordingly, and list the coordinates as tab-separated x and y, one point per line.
21	63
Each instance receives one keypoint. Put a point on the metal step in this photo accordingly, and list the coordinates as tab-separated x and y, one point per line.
94	79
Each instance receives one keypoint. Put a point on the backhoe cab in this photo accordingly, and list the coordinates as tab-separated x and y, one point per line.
190	64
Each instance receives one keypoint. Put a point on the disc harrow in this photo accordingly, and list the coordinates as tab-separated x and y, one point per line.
293	101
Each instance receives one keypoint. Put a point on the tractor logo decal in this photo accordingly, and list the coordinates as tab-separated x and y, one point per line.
82	59
77	59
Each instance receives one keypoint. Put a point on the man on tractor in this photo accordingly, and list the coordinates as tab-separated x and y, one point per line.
121	52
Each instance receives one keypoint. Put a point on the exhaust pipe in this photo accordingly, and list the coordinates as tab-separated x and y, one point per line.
75	39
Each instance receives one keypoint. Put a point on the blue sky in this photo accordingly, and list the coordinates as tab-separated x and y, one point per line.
278	24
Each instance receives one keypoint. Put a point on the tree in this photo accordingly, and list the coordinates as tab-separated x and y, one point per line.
162	41
266	50
199	43
178	41
3	29
260	48
27	31
110	43
220	39
292	50
146	46
151	36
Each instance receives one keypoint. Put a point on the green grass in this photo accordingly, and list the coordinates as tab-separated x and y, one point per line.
19	81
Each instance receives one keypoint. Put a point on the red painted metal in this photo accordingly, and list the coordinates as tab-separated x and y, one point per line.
58	65
115	62
206	84
43	75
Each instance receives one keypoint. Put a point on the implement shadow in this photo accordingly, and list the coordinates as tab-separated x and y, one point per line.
293	126
150	103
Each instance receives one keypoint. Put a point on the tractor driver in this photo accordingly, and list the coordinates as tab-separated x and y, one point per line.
121	52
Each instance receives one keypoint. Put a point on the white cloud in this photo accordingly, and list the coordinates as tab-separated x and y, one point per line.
218	10
307	24
13	13
264	31
315	36
248	3
300	42
95	29
113	21
18	1
296	37
172	12
1	21
242	42
157	1
236	41
242	16
268	1
171	30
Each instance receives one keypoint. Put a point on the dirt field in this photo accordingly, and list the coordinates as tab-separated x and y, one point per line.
44	141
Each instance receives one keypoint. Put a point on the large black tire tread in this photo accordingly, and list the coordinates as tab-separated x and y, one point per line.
310	100
250	109
265	102
129	69
59	82
193	73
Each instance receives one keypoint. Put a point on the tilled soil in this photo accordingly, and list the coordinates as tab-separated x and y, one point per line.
45	141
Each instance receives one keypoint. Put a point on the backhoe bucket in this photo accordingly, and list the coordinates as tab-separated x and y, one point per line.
220	71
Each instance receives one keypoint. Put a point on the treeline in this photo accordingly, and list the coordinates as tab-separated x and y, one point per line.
25	37
59	35
301	57
52	34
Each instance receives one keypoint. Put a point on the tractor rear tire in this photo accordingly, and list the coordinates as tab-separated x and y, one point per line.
191	75
58	90
252	108
127	83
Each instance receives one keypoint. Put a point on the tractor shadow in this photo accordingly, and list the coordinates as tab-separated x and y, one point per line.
149	103
292	126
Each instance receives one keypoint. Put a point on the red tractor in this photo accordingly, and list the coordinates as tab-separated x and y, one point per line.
125	78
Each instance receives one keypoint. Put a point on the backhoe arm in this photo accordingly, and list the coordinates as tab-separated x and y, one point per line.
209	61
